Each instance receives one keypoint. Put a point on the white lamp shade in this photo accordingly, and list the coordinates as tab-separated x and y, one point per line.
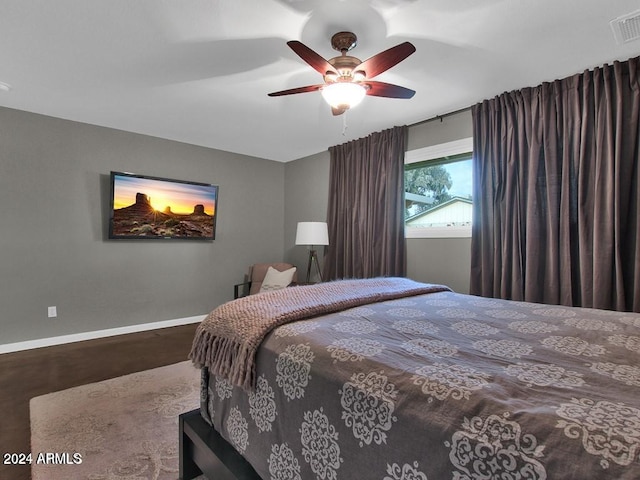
312	233
343	94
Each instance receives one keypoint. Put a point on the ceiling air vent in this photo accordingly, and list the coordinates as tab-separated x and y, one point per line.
626	28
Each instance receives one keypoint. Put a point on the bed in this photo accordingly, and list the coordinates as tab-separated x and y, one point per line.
393	379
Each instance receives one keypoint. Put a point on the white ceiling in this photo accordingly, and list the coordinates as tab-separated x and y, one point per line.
198	71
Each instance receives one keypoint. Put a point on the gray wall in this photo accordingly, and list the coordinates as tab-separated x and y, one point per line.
54	193
306	184
445	261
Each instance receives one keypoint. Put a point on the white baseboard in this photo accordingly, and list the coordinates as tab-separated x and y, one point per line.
111	332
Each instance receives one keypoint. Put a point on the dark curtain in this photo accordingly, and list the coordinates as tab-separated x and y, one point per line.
365	215
556	198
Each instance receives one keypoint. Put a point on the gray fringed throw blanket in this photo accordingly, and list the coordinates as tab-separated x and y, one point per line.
227	340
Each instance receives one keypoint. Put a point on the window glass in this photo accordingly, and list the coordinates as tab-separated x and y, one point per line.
438	191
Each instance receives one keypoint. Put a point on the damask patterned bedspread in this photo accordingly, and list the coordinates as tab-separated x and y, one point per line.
441	386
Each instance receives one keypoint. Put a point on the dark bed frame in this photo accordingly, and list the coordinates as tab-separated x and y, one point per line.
204	451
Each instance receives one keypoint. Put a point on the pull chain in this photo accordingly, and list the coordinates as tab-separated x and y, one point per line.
344	123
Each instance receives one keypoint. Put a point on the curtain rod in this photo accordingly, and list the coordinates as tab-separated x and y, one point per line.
440	117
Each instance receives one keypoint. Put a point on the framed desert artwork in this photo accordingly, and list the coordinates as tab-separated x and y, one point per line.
145	207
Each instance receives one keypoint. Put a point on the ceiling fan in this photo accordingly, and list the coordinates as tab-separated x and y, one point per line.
348	79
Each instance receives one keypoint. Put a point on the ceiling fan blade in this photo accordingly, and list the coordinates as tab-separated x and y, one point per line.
312	58
381	89
383	61
291	91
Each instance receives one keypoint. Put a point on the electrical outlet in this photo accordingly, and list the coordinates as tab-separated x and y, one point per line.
52	312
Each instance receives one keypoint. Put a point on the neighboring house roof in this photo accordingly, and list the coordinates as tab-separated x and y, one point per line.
463	215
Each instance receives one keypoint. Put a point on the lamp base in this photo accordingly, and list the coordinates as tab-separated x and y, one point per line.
313	258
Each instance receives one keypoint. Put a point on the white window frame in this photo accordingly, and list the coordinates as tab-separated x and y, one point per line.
433	152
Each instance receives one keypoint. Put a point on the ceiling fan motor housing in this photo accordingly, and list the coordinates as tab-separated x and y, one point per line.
345	65
344	41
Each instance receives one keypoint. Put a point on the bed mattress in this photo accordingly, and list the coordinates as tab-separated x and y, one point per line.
438	386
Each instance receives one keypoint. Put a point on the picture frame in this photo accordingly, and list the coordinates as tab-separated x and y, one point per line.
145	207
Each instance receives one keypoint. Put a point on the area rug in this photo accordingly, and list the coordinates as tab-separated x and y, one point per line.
125	428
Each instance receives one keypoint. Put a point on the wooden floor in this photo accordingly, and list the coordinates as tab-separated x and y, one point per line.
30	373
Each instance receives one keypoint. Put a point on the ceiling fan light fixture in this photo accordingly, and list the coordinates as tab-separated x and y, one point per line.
343	94
348	79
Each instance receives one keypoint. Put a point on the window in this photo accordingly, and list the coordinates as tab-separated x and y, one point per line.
438	190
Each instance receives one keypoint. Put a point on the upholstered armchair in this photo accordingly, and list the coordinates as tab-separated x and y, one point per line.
264	277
